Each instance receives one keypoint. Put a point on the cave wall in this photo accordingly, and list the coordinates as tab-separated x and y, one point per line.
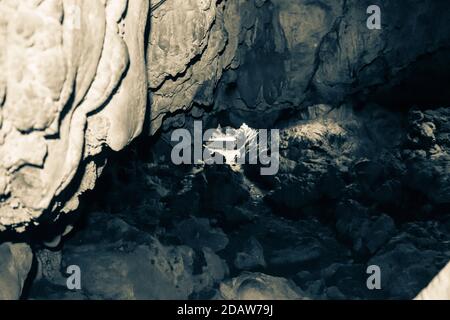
75	83
253	60
79	78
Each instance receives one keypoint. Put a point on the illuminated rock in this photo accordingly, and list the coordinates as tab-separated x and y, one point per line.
73	81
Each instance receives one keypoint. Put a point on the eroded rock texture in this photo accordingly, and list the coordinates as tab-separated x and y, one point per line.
15	263
252	61
76	74
73	81
346	197
259	286
357	176
130	264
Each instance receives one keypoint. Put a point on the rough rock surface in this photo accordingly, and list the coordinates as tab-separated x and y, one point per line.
259	286
244	60
362	180
251	61
438	289
71	70
364	211
131	264
15	263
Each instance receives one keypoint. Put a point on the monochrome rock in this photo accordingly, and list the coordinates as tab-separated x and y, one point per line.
15	263
91	92
259	286
83	77
72	70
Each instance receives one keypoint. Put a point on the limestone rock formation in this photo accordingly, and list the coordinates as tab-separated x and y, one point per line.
73	81
76	73
126	263
254	60
206	226
358	178
15	263
439	288
259	286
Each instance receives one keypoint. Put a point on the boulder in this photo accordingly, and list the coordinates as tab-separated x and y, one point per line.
15	264
251	257
259	286
118	261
